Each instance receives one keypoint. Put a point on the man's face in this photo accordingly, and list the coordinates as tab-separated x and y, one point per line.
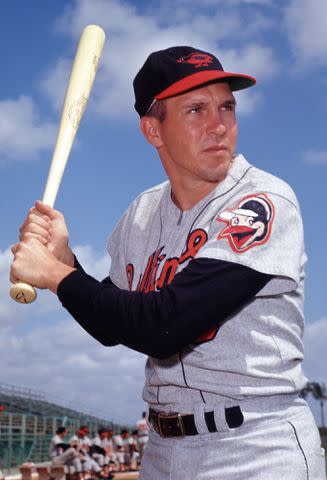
199	134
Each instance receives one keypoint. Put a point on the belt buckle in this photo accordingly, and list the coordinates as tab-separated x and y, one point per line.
171	416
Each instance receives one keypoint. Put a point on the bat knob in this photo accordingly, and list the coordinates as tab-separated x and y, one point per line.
23	293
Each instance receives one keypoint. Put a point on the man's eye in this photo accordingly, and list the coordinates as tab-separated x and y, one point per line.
228	107
195	109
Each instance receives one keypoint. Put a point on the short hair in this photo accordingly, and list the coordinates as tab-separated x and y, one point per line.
61	430
157	110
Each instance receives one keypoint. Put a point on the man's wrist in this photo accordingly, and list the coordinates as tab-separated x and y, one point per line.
68	258
58	274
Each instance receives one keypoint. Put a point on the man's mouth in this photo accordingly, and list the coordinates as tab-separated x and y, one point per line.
216	148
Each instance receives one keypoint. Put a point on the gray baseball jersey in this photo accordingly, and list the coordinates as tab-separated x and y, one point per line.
55	441
251	218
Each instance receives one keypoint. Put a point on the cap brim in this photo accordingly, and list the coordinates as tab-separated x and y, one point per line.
237	81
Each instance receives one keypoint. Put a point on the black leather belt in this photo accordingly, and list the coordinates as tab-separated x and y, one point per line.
178	425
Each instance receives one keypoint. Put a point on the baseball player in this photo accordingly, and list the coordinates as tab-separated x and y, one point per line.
83	443
98	447
206	278
135	451
63	453
142	428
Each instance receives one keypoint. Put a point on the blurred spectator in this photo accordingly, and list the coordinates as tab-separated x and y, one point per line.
83	443
142	433
119	449
98	447
113	461
134	451
63	453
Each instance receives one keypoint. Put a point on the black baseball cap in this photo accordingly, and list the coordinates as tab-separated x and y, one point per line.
175	70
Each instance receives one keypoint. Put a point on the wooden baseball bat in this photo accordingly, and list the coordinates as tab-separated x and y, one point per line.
77	94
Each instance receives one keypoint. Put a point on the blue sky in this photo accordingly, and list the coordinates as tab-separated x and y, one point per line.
283	43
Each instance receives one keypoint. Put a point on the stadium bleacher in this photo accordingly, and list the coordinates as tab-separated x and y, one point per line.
29	419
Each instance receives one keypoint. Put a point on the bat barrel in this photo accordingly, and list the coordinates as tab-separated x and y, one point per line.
77	94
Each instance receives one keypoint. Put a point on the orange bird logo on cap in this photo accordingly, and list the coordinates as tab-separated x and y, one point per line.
197	59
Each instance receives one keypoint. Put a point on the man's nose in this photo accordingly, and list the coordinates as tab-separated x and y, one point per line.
216	124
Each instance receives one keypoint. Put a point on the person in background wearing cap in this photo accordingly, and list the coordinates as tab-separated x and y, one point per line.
63	453
100	449
82	443
206	278
142	429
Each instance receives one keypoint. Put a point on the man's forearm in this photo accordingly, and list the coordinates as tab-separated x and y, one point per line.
161	323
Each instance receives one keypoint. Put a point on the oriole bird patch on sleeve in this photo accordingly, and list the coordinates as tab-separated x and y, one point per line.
249	223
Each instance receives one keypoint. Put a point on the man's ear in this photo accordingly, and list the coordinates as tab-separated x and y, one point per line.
150	127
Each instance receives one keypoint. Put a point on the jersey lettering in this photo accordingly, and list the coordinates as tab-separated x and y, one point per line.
149	281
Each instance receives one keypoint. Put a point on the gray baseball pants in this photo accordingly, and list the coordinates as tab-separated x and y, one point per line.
277	440
69	457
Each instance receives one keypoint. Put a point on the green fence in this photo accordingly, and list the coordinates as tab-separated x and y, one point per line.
28	421
26	437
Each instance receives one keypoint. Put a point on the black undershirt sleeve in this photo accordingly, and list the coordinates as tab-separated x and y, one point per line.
161	323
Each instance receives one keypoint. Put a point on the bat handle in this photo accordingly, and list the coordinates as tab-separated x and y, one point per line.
23	293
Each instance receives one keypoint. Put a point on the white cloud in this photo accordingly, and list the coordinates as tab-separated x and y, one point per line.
81	361
305	23
315	157
133	32
247	101
22	134
54	82
133	35
43	348
71	367
185	10
93	264
253	59
258	62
